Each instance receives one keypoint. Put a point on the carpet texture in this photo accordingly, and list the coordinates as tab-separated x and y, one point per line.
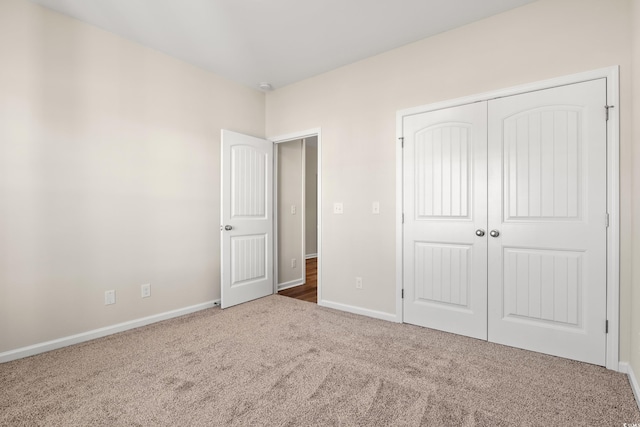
279	361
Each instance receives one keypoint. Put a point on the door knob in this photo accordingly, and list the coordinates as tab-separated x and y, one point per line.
494	233
479	232
228	227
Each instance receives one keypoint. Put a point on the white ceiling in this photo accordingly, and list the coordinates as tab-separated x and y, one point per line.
276	41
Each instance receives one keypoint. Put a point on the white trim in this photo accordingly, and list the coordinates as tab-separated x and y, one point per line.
290	284
626	368
600	73
32	350
613	206
390	317
310	256
399	215
295	135
303	210
319	216
276	231
306	134
611	74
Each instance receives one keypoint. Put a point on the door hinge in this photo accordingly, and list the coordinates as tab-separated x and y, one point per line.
606	220
607	107
403	217
401	141
403	294
606	326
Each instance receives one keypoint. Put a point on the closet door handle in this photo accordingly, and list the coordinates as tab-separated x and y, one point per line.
479	232
494	233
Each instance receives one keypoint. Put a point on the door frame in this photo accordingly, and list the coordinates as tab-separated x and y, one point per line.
292	137
611	74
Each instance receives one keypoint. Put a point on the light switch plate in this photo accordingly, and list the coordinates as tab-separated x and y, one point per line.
109	297
145	290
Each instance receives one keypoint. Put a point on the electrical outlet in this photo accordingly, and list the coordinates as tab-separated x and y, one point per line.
358	282
338	208
293	209
109	297
145	290
294	263
376	208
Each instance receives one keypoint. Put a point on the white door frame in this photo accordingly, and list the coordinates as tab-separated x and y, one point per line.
292	137
613	187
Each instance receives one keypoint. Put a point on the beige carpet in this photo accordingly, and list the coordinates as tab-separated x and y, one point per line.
279	361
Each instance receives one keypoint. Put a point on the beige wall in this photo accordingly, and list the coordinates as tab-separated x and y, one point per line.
289	224
109	157
635	320
356	106
311	196
109	176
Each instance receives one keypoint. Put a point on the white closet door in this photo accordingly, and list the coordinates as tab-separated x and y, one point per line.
445	202
547	200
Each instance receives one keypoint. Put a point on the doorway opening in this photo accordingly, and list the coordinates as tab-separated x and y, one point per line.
297	216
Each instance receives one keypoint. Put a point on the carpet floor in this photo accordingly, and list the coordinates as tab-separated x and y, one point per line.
279	361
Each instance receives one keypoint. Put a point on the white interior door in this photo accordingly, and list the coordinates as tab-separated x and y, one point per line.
445	204
246	256
547	201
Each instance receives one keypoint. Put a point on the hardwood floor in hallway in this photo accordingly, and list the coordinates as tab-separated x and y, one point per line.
309	291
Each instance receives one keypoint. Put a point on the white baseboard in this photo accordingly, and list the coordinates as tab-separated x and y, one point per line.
624	367
32	350
311	256
359	310
290	284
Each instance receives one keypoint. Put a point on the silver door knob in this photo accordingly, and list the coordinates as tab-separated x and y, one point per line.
494	233
479	232
228	227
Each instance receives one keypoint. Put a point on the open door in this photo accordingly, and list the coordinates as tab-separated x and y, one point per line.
246	253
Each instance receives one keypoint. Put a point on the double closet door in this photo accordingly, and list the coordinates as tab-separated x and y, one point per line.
505	211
